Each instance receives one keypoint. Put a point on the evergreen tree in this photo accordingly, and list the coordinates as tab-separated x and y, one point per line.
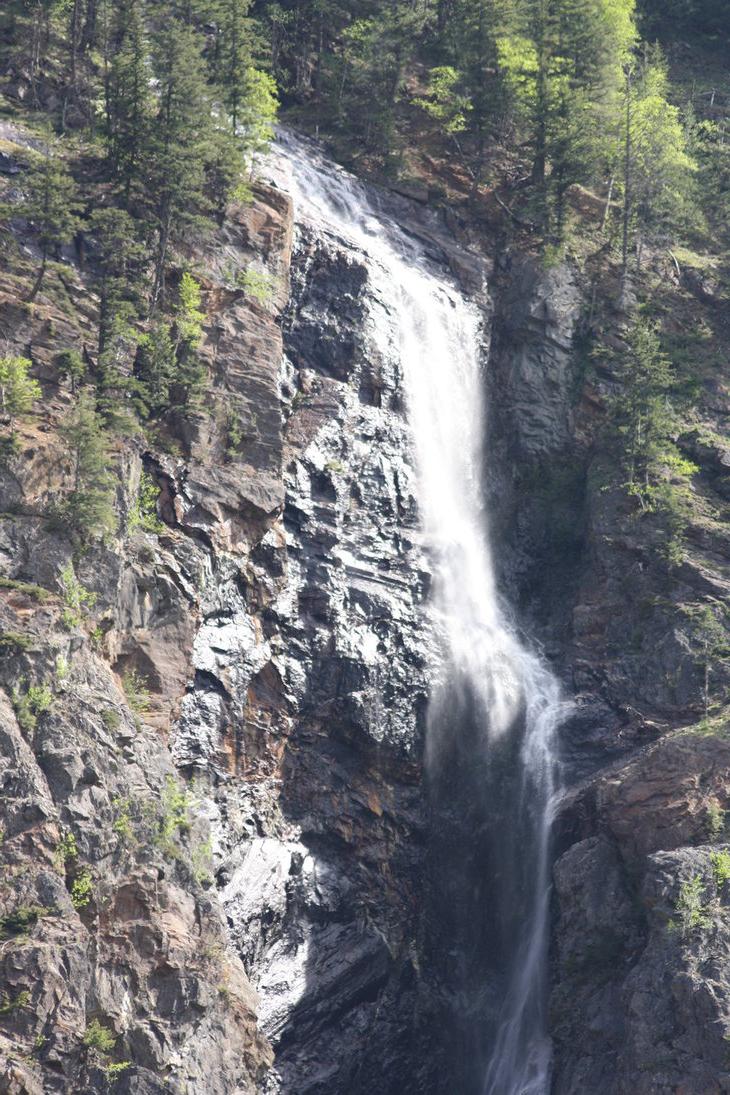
656	167
52	206
129	102
18	391
119	283
89	507
643	412
179	141
564	66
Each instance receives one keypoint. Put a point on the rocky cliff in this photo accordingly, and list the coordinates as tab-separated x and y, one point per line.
216	838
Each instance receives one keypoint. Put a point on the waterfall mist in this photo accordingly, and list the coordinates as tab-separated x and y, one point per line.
495	707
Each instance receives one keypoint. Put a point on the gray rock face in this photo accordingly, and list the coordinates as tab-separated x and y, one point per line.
641	1001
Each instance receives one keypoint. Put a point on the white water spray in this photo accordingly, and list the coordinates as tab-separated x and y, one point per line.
435	332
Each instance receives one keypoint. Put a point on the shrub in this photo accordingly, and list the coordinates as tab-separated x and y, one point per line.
13	642
136	691
82	889
689	907
122	824
114	1070
30	704
21	920
174	816
721	867
77	600
260	287
38	593
143	511
111	718
99	1037
66	848
8	1005
715	819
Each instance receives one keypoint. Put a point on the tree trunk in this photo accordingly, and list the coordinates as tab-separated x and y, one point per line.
39	279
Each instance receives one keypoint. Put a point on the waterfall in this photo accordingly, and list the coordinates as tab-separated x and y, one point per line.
491	691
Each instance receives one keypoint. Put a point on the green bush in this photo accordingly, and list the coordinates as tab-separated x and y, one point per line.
689	907
143	511
38	593
136	691
13	642
21	920
111	718
77	600
721	867
8	1005
30	704
99	1037
82	889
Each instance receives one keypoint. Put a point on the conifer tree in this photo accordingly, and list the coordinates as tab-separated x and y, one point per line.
18	391
52	206
178	144
119	282
129	98
89	507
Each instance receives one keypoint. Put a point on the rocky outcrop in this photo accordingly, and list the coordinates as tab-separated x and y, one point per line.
115	960
306	718
642	996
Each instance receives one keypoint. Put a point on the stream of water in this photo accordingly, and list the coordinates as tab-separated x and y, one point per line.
488	675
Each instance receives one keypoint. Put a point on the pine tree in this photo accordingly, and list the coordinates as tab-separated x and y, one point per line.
564	65
179	141
18	393
129	98
52	206
657	169
120	286
89	507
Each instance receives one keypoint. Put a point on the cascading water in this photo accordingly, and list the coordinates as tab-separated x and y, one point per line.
495	707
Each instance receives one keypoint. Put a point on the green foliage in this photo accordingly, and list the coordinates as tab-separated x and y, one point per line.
10	1004
14	642
77	600
136	691
18	392
174	817
689	907
201	862
710	644
82	889
111	718
21	920
99	1037
29	589
189	317
143	511
234	435
651	157
89	506
30	704
646	423
119	263
443	101
122	825
255	284
71	367
67	848
114	1071
52	206
62	668
720	867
